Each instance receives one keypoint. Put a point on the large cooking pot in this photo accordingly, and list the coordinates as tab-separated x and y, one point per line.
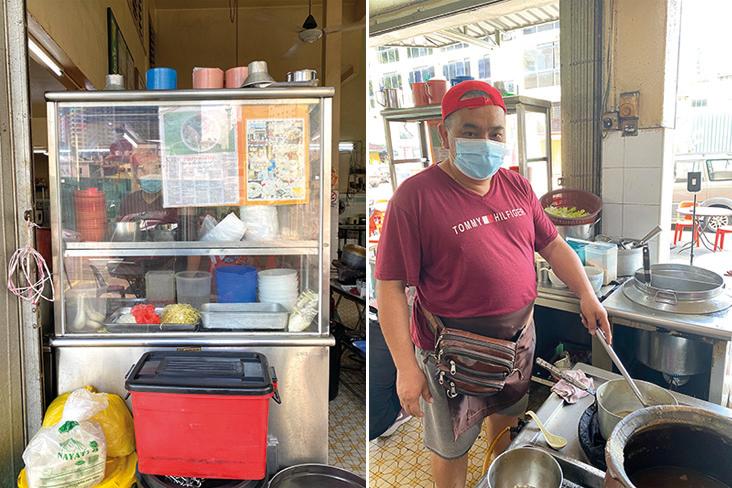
525	466
679	288
673	355
316	476
579	231
615	400
670	446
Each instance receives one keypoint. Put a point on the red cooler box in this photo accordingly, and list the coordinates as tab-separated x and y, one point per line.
202	414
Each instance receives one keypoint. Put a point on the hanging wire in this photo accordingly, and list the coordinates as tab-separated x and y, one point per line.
32	270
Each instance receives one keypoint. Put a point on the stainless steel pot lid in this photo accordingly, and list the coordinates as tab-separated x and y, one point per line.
316	476
679	288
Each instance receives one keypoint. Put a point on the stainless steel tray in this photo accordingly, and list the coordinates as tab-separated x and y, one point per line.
113	327
258	316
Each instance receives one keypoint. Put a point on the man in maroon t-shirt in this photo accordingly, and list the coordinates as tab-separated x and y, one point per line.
464	233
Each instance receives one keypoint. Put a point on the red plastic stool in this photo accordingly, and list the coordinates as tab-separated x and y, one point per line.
679	229
719	236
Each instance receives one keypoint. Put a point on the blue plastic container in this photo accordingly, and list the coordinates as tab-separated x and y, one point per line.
162	79
236	284
579	248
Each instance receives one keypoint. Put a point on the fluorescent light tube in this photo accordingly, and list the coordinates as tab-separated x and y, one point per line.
44	58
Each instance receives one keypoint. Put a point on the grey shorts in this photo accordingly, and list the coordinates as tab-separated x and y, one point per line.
437	421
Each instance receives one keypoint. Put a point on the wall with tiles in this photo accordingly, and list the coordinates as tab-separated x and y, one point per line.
637	185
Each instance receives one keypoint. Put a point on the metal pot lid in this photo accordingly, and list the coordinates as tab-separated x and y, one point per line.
679	288
316	476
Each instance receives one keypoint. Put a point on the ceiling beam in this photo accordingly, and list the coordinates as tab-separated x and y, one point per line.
460	37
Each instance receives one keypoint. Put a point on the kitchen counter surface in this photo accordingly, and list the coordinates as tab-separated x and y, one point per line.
562	299
626	312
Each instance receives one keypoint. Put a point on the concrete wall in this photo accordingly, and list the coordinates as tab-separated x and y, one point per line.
643	58
637	171
206	37
80	28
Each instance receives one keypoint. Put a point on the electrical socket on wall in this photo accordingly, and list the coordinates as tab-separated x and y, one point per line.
628	112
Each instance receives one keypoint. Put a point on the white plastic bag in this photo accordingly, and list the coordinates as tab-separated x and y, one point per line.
229	229
73	452
261	222
306	308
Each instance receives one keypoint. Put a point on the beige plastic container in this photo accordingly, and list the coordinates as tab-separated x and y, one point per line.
603	255
160	286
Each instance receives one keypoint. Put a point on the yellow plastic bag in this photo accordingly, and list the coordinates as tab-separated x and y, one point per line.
116	422
118	473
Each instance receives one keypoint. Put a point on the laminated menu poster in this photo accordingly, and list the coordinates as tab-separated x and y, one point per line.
275	154
199	155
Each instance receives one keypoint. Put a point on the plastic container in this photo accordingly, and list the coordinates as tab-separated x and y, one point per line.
578	246
162	79
603	255
91	214
193	287
236	284
202	414
160	286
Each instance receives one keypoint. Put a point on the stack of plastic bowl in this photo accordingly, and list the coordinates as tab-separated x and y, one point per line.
279	286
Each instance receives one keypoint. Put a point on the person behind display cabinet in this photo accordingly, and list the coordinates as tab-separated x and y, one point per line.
464	233
147	202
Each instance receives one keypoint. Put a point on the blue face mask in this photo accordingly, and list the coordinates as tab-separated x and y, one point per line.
479	159
151	183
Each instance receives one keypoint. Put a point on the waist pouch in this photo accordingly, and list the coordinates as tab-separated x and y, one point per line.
469	363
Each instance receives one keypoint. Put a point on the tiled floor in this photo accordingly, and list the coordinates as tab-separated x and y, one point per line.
402	461
347	414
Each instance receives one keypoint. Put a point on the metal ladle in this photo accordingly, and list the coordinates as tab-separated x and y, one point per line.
555	441
634	388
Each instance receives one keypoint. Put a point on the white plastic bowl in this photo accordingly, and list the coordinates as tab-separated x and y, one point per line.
555	281
596	277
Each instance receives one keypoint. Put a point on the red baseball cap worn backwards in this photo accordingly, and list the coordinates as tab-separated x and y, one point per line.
452	102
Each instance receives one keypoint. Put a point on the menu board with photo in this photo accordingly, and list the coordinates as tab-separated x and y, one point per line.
275	155
200	163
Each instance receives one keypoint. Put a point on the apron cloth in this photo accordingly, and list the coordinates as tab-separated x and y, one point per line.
518	326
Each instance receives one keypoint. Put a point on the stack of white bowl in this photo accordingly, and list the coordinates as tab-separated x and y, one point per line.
278	285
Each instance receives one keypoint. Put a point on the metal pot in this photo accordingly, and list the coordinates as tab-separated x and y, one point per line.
615	401
659	442
583	231
629	261
127	232
316	476
354	256
302	75
525	466
679	288
672	354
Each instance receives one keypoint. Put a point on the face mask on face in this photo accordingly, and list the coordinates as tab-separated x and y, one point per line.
479	159
151	183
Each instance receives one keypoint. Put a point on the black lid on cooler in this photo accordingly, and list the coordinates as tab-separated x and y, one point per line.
204	372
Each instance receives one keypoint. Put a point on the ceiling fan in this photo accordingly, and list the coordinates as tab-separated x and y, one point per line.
311	32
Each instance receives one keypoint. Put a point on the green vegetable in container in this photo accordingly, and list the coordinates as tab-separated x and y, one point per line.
566	212
180	313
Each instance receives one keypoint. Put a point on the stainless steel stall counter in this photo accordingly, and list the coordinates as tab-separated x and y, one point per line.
714	328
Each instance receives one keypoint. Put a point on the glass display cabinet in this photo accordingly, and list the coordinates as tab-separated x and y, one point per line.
195	219
413	141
